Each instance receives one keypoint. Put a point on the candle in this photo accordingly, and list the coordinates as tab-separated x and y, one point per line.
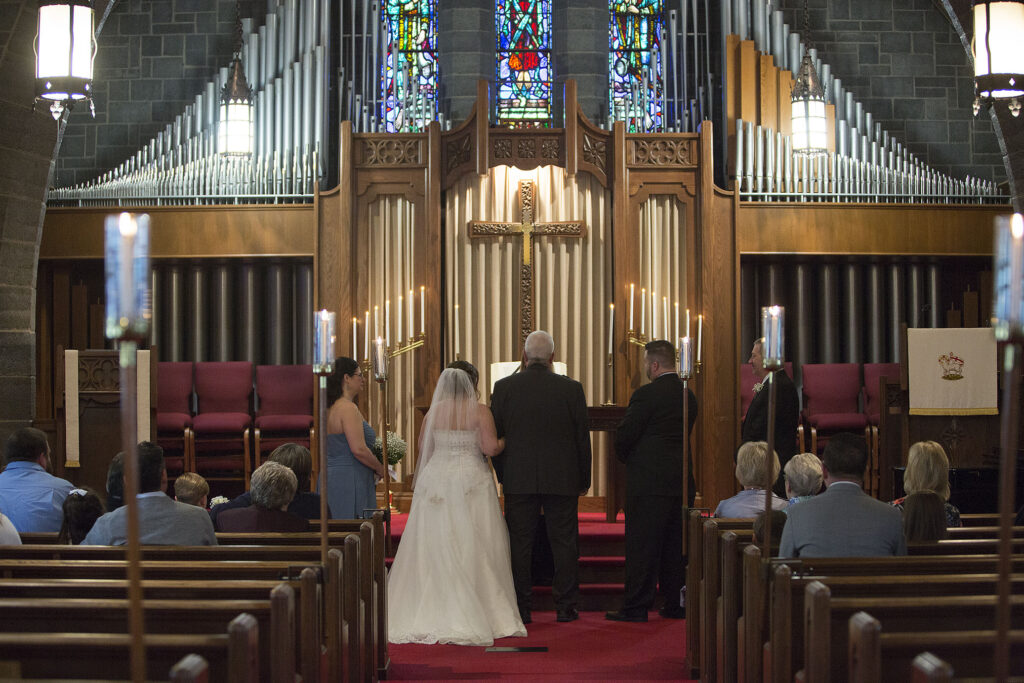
664	310
611	328
411	305
380	360
387	323
643	310
376	320
700	334
687	322
772	329
632	294
676	335
399	318
355	339
323	340
366	337
127	274
456	331
654	315
685	358
423	297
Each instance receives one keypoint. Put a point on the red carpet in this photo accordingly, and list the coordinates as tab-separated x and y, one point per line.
591	524
589	649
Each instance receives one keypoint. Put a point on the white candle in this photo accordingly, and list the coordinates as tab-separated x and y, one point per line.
611	328
456	322
654	315
1015	295
399	318
366	337
127	276
127	229
687	322
632	295
423	308
664	310
355	339
643	310
387	322
376	321
676	335
700	334
685	358
411	306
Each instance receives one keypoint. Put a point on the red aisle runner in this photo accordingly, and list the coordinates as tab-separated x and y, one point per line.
589	649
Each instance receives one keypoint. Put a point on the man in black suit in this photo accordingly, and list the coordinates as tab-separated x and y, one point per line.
546	464
650	441
787	411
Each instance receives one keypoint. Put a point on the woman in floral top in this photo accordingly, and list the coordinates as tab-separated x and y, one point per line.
928	470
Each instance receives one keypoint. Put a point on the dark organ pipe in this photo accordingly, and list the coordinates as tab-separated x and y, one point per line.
199	314
854	314
828	318
897	312
875	313
250	314
279	320
303	302
174	337
801	349
933	289
222	332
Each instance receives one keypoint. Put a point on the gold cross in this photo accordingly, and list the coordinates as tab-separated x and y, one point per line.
527	228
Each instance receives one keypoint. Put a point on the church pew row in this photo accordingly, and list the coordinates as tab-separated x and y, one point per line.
307	604
785	649
722	539
752	625
880	656
827	617
231	656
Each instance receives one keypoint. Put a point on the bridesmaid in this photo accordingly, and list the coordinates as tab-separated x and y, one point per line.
352	467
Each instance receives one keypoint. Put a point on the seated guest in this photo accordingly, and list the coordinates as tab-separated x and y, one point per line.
190	488
115	483
82	508
752	473
777	520
843	521
924	517
803	477
8	534
162	521
272	487
304	504
30	496
928	470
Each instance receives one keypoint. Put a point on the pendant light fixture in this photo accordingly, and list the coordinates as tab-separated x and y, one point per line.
234	129
998	56
65	47
809	124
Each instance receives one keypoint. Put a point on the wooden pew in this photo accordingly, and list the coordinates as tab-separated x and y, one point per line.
232	656
826	619
785	648
980	519
191	669
880	656
712	605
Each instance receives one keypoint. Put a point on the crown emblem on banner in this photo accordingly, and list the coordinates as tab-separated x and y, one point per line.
952	366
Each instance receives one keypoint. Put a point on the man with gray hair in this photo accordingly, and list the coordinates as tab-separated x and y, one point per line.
545	465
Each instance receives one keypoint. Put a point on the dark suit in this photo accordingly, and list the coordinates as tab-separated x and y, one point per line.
787	417
650	441
545	464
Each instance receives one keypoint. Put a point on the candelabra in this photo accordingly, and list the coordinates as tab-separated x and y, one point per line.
772	318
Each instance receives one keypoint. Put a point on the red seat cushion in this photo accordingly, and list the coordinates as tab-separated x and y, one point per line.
285	422
172	422
838	421
207	423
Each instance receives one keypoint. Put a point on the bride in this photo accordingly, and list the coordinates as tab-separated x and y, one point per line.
451	581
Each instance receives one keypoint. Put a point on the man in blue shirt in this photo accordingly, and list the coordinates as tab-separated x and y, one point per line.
30	496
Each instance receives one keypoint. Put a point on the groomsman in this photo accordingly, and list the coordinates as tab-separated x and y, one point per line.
545	465
649	440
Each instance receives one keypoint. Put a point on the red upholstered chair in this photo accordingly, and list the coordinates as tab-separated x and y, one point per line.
831	397
223	420
285	413
873	374
174	414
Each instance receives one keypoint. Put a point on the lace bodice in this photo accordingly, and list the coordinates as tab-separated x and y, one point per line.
456	443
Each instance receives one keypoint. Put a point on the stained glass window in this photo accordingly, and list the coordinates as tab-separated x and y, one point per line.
409	80
524	62
634	64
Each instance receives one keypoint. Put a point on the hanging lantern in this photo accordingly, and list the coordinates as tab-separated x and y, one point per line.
998	57
65	47
810	126
234	131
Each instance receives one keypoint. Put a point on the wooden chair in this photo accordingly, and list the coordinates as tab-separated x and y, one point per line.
285	413
875	374
223	421
831	401
174	414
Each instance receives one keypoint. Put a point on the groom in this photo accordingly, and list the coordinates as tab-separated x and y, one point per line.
545	464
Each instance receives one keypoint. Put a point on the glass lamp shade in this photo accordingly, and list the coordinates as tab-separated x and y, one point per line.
998	56
809	125
234	130
64	50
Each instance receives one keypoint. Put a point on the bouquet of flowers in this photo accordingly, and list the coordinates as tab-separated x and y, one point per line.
397	449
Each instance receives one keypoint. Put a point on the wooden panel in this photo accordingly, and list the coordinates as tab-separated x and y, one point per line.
188	231
769	91
865	229
785	102
830	116
79	316
732	105
748	80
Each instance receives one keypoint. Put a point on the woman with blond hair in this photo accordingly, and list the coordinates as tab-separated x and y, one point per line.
928	471
752	473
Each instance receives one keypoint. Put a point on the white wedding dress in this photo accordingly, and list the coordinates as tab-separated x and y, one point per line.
451	581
